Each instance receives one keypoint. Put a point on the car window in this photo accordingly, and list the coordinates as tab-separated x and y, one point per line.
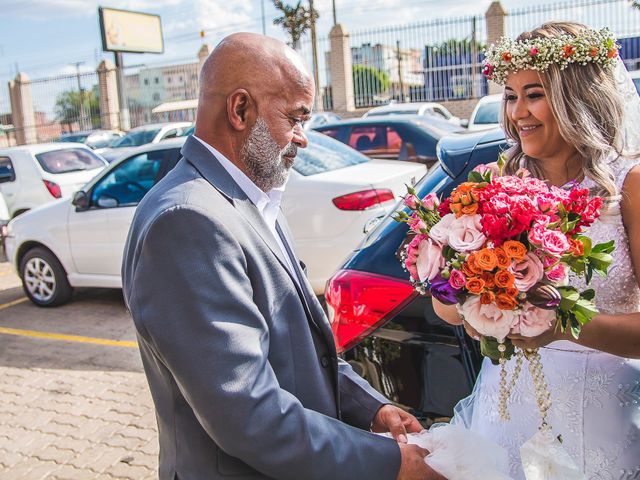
325	154
74	138
636	82
394	112
69	160
488	113
330	132
379	141
127	183
7	173
100	141
136	138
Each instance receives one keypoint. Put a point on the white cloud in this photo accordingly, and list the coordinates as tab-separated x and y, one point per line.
44	10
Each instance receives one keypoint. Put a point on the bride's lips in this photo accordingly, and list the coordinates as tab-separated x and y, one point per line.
526	130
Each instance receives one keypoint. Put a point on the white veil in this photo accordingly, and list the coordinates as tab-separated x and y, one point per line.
631	119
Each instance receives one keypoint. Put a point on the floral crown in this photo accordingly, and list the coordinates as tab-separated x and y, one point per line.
590	46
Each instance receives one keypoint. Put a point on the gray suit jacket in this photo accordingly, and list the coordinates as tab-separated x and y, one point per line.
238	354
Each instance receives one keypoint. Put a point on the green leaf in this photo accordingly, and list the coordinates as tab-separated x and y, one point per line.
489	348
569	298
606	247
475	177
588	294
586	241
589	274
600	261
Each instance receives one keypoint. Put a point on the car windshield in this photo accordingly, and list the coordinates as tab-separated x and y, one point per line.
74	138
324	155
440	126
488	113
69	160
136	138
394	112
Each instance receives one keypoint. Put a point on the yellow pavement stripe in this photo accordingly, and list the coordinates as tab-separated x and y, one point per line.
67	338
8	272
13	302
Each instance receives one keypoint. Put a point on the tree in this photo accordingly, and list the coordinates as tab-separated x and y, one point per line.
636	4
368	83
295	20
68	107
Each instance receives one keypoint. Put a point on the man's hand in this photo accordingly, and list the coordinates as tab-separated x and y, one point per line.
412	466
396	421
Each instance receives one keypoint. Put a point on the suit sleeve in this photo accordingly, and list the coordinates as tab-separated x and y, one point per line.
193	297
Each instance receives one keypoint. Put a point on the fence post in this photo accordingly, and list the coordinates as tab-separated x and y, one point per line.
341	70
495	20
109	103
22	114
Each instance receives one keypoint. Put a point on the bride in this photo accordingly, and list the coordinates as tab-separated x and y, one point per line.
574	122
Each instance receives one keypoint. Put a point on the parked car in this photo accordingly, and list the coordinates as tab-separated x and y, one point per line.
32	175
635	78
430	109
391	335
410	138
486	113
93	138
320	118
333	192
4	219
152	133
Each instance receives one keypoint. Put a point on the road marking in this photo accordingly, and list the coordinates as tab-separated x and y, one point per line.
67	338
13	302
8	272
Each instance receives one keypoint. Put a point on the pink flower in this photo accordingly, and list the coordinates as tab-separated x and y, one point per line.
416	223
547	261
430	202
554	242
488	320
412	255
533	321
430	260
440	231
411	201
558	273
533	52
536	234
527	272
457	279
466	234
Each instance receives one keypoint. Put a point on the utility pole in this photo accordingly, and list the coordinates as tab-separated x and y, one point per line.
83	114
264	25
399	56
335	18
474	59
122	97
314	49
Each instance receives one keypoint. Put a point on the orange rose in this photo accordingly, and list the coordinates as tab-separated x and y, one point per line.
502	259
487	297
504	279
512	291
475	285
505	302
473	264
612	53
465	187
456	208
486	259
576	247
514	249
489	279
470	209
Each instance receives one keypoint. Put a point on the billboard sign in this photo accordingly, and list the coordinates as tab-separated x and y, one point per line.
133	32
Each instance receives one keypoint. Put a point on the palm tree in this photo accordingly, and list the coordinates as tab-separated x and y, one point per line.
636	4
295	20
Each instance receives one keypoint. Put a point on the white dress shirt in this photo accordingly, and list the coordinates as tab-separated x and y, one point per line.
268	204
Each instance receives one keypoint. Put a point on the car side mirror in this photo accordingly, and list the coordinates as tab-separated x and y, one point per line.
105	201
80	201
7	176
464	122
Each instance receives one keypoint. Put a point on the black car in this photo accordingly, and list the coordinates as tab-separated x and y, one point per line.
393	137
391	335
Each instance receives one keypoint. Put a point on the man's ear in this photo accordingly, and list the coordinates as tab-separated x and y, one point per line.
239	106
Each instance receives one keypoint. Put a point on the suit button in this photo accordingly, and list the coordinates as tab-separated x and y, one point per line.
324	361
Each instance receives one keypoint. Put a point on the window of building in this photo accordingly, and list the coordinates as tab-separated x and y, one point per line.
157	80
156	97
146	81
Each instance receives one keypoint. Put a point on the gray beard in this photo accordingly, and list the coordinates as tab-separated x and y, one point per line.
266	164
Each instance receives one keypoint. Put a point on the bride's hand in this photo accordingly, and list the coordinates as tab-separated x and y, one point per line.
545	338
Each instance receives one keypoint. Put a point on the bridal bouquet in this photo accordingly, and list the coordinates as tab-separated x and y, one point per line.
501	248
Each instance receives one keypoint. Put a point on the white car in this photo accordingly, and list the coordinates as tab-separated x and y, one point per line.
333	193
486	113
418	108
136	137
32	175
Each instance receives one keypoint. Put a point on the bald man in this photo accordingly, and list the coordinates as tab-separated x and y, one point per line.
236	348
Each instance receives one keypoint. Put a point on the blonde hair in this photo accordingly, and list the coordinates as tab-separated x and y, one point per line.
588	109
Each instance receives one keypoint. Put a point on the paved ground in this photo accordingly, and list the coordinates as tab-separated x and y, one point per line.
71	408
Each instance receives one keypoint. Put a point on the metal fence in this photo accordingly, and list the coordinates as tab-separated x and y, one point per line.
65	104
434	60
323	48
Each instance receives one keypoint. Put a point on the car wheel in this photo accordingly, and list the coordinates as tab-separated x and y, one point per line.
44	279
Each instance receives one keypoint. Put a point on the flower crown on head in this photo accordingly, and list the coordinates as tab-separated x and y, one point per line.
590	46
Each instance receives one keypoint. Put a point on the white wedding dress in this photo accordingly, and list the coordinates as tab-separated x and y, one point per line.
595	396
